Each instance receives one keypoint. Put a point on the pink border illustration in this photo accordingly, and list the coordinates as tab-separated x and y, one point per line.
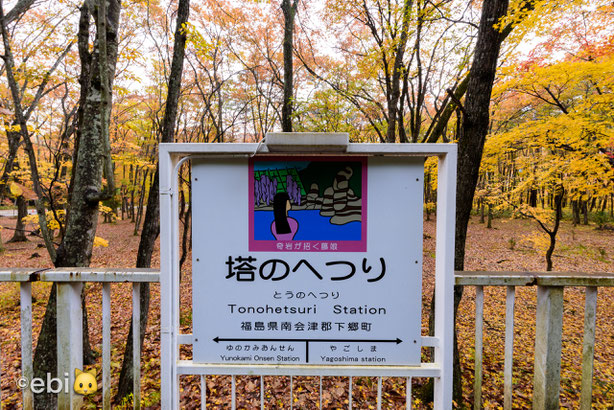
308	246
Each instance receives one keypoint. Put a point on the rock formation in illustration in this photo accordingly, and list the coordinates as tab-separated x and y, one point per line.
313	199
339	201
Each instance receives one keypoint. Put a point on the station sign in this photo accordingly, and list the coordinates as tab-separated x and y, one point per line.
307	260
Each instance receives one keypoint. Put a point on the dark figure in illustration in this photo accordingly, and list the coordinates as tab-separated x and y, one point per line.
283	227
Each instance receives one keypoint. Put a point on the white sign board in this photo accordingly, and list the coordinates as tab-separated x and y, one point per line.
301	260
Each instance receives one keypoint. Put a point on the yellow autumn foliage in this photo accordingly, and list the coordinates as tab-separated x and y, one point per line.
553	127
100	242
15	190
54	220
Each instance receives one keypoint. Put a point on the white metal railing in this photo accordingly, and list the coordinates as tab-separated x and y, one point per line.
548	330
548	338
379	399
69	323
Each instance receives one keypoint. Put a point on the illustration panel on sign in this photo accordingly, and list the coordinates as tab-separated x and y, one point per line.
308	205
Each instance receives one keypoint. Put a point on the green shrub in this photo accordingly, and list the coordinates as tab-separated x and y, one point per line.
601	219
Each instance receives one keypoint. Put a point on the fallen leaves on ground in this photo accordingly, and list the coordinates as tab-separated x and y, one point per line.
580	249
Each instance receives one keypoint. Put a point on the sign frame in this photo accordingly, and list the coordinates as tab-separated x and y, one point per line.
172	155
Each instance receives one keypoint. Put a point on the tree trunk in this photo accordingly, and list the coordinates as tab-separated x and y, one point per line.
288	7
132	206
585	212
440	122
395	86
13	140
151	224
473	135
21	118
471	139
533	198
45	355
22	212
575	211
558	201
135	184
76	247
139	214
185	236
123	208
489	223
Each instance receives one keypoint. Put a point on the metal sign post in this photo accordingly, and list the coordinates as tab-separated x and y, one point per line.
307	260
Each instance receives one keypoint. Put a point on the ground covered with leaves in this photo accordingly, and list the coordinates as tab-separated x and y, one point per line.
512	245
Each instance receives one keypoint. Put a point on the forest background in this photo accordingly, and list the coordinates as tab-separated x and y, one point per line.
80	142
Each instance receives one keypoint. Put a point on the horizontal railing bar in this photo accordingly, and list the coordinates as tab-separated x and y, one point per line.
588	281
430	341
19	274
485	278
476	278
188	367
185	339
79	275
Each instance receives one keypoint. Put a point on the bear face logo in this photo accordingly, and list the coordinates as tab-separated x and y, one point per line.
85	382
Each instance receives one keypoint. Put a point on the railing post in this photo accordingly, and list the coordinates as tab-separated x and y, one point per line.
106	346
136	345
479	347
548	333
70	341
0	377
25	304
508	365
588	348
